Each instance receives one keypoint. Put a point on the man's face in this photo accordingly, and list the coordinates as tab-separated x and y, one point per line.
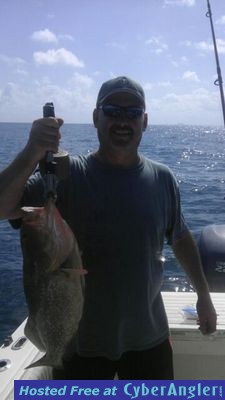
120	131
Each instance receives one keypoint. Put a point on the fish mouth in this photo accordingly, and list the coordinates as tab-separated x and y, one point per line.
31	215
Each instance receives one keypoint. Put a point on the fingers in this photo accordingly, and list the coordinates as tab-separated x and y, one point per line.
207	328
60	121
206	314
207	324
50	122
44	136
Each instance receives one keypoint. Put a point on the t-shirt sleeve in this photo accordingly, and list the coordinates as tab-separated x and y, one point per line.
176	224
33	196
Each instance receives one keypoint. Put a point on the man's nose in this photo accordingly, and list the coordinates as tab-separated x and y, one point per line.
122	118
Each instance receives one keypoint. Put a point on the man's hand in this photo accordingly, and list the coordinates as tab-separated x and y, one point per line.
206	315
186	252
44	136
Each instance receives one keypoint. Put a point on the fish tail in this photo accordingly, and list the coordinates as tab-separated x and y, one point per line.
45	361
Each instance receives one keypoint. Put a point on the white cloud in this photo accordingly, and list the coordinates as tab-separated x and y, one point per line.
208	46
200	98
148	86
50	16
186	43
221	20
21	72
205	46
45	36
66	37
7	93
82	80
220	45
96	73
116	45
157	44
184	59
12	96
74	100
59	56
175	63
165	84
188	3
11	61
190	76
197	107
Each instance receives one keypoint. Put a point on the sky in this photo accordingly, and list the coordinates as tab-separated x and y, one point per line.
63	50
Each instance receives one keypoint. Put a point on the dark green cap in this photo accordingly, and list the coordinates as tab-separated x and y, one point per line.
121	84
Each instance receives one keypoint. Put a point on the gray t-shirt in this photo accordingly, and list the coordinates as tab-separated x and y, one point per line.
120	217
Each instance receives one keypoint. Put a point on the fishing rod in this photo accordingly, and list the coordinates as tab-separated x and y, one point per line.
50	164
219	80
53	167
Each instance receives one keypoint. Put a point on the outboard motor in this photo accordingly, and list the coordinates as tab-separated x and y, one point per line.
212	250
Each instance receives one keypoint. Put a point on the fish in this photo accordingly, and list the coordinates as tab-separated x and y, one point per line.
53	282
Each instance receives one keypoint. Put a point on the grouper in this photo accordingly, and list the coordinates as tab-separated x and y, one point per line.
53	282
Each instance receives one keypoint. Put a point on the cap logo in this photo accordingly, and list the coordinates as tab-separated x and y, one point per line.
124	82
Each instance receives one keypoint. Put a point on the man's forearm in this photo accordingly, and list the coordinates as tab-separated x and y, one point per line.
44	136
12	182
187	254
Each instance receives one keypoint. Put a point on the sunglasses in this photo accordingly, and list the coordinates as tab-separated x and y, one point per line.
130	112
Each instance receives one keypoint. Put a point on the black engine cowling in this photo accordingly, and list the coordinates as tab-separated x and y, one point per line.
212	250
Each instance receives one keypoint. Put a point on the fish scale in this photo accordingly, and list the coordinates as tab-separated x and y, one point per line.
52	282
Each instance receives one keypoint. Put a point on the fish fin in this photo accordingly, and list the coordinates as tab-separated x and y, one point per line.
73	260
74	272
32	334
44	361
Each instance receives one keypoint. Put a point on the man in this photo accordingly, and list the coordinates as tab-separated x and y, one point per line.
121	206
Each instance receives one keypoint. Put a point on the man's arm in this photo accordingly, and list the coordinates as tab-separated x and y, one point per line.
44	136
187	254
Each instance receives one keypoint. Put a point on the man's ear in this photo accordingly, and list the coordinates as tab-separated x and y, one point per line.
145	122
95	117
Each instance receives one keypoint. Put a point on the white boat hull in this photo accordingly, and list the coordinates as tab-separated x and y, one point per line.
195	356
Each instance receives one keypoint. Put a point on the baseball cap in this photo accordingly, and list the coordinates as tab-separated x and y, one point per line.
121	84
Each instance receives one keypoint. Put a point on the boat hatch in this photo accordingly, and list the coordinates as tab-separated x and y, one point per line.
4	364
19	343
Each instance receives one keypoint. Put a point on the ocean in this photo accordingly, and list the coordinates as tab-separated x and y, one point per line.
195	154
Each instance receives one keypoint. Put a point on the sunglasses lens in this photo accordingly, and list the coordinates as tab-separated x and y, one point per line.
111	111
134	112
117	111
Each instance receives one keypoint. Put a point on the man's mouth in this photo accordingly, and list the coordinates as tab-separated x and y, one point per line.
122	132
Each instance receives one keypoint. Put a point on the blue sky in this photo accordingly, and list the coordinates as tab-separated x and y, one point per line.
63	50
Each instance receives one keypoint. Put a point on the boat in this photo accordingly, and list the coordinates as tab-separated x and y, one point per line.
196	356
16	353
